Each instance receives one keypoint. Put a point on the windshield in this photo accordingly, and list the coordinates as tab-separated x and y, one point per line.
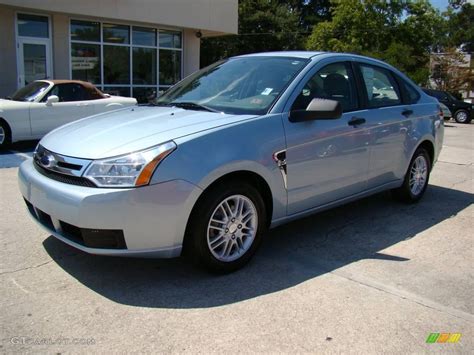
248	85
31	91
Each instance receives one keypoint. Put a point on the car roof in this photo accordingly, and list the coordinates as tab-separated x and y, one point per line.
293	54
65	81
312	54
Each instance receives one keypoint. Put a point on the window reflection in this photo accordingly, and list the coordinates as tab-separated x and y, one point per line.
33	26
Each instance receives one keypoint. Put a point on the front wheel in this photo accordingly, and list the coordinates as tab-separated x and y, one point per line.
416	178
226	227
462	116
5	136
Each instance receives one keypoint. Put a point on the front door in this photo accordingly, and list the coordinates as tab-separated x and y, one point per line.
34	60
327	160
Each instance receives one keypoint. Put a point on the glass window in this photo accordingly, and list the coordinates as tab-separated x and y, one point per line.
116	65
411	94
247	85
170	67
85	62
34	61
144	94
170	39
118	91
333	82
85	31
380	86
33	26
30	92
144	36
144	66
68	92
116	33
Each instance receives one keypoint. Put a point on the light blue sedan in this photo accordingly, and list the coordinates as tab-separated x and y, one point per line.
243	145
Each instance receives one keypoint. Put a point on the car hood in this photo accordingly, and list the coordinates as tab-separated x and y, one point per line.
130	129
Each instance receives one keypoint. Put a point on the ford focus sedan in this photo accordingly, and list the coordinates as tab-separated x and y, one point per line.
241	146
44	105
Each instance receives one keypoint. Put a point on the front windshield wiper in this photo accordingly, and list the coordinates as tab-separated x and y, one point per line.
192	106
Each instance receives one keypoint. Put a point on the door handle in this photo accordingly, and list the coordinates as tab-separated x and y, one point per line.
407	112
355	121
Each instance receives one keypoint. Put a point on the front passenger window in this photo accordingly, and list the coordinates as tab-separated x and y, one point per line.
333	82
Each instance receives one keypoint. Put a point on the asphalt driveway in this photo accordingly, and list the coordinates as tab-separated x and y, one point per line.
372	276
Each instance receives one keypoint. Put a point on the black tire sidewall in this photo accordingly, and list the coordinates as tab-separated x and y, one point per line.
197	229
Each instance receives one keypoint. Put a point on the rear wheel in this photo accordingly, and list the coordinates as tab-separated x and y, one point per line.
5	136
226	227
416	178
462	116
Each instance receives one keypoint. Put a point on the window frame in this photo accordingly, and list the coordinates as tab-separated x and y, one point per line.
101	43
362	88
316	69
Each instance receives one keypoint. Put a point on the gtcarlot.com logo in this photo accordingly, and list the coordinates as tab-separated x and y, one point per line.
443	338
25	340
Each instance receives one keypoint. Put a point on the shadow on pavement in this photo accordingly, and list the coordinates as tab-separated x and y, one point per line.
9	157
290	254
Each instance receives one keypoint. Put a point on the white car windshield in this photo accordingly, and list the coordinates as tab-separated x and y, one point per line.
246	85
30	92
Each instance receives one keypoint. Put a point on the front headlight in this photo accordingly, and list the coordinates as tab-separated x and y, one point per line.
134	169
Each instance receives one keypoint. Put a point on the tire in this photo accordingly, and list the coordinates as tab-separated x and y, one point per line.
224	245
5	135
462	116
419	164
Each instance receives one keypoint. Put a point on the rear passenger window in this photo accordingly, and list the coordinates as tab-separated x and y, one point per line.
381	87
335	82
411	94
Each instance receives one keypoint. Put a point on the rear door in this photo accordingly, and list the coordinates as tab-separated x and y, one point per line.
389	121
327	160
73	104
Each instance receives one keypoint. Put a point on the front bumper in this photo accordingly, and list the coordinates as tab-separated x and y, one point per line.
151	220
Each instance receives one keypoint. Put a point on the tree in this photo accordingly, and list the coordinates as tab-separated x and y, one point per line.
399	32
451	71
266	25
460	28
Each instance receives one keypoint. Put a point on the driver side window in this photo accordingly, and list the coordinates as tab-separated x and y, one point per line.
334	82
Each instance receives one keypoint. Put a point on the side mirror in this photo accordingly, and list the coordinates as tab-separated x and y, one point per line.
51	100
318	109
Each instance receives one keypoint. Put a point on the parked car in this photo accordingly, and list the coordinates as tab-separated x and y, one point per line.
447	115
44	105
248	143
460	110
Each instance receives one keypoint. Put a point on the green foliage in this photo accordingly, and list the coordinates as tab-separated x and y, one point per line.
460	25
399	32
264	25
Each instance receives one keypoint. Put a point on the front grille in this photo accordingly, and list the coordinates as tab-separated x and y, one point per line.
67	179
91	238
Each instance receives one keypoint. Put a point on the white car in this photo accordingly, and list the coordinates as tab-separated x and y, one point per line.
44	105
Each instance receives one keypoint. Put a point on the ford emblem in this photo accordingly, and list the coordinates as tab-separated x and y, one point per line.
47	160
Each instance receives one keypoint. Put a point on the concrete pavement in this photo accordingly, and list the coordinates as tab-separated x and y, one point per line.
372	276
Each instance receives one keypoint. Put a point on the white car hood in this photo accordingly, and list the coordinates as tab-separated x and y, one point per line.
130	129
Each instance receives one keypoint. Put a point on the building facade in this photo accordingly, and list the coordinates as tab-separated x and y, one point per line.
124	47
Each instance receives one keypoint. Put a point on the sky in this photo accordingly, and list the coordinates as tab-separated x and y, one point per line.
441	5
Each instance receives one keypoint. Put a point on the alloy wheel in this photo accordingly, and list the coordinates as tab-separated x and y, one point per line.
461	117
232	228
418	175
